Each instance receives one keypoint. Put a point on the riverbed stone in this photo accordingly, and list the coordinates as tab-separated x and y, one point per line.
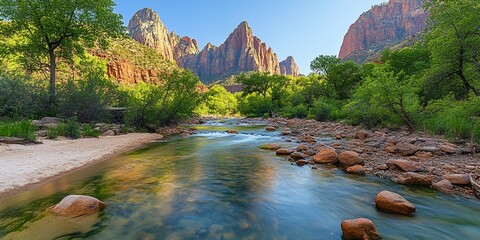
411	178
298	155
405	165
360	228
350	158
443	186
272	146
78	205
356	169
406	149
457	179
394	202
326	155
284	151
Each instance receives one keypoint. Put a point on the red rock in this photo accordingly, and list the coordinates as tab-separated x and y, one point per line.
411	178
443	186
360	228
405	165
457	179
357	169
284	151
383	26
272	146
327	155
350	158
448	149
78	205
394	202
406	149
361	135
298	155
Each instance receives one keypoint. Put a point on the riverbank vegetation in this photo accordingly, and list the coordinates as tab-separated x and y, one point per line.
432	85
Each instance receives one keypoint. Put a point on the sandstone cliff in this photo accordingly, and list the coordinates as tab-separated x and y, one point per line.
382	26
147	28
241	52
289	67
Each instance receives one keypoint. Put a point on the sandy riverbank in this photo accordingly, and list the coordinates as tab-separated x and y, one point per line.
22	167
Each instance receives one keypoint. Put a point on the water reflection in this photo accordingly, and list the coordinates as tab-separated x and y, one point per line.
220	186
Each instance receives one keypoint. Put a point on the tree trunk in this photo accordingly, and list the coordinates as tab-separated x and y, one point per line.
53	75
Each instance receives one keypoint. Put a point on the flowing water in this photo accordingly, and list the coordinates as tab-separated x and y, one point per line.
213	185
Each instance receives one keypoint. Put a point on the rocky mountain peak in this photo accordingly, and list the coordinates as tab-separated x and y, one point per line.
289	67
383	26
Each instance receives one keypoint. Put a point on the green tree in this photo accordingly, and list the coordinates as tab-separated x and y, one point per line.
58	28
453	41
322	63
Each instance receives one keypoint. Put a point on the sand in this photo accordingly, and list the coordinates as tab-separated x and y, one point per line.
24	167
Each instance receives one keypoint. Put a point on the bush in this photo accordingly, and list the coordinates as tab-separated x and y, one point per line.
72	129
22	98
87	100
22	129
150	106
454	119
89	131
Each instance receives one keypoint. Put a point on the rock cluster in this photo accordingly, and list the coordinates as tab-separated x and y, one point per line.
401	156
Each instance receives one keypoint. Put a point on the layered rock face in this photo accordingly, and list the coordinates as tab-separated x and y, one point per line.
289	67
147	28
383	26
241	52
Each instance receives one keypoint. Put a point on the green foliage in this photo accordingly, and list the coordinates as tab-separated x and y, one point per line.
86	99
54	132
57	28
150	106
21	129
218	101
382	98
72	129
89	131
322	63
454	119
453	41
21	98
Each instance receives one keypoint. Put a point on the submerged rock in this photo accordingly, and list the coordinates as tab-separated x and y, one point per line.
360	228
78	205
394	202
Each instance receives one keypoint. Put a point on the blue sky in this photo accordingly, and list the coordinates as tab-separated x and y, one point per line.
303	29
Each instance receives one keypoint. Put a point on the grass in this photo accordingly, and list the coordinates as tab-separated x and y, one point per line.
21	129
89	131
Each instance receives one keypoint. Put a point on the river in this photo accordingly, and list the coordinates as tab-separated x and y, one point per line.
214	185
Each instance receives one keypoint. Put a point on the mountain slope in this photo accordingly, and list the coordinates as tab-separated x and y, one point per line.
383	26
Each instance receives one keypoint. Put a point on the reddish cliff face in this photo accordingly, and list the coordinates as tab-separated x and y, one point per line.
289	67
241	52
147	28
383	26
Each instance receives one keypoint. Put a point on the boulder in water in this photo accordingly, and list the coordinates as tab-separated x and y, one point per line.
78	205
394	202
360	228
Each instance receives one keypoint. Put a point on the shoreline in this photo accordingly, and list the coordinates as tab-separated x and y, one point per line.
27	167
432	157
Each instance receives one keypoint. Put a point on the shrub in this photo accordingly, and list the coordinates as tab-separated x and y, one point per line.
22	129
22	98
72	129
89	131
87	99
